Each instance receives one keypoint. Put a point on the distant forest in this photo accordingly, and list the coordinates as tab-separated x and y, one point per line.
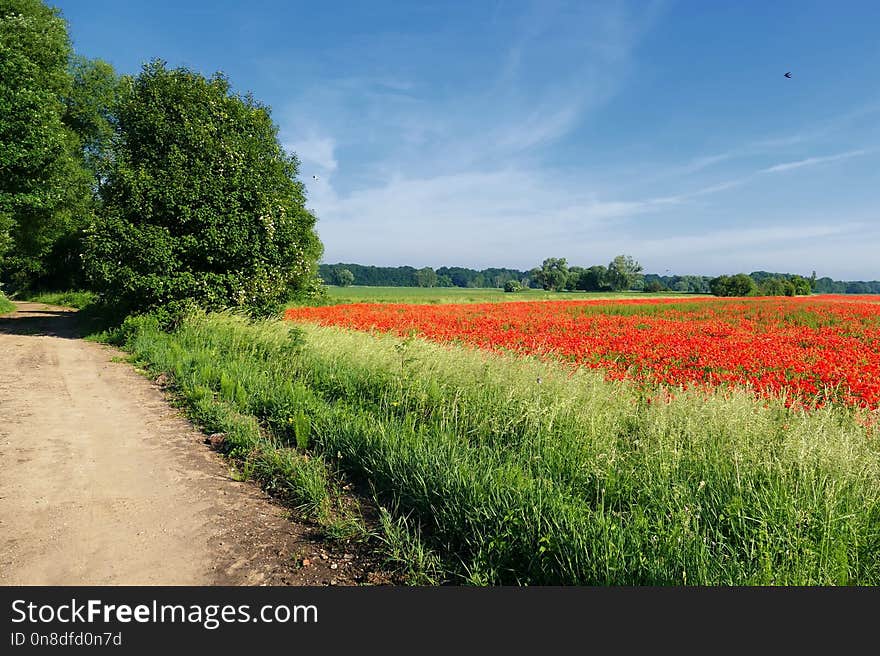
407	276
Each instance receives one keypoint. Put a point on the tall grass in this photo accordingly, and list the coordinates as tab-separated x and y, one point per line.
72	298
515	471
6	306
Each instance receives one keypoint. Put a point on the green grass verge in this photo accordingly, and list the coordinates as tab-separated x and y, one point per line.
72	298
6	306
489	477
433	295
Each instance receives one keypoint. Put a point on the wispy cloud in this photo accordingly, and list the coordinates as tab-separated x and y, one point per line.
766	146
725	240
776	168
811	161
411	172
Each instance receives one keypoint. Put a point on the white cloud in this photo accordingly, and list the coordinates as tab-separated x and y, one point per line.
811	161
315	151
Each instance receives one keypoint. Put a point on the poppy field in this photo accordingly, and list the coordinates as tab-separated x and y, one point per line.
810	351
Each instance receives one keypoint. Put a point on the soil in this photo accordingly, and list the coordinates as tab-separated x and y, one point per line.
104	482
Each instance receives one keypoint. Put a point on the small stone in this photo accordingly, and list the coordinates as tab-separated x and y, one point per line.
306	562
334	566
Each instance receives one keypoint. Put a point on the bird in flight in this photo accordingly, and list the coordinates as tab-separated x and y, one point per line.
788	75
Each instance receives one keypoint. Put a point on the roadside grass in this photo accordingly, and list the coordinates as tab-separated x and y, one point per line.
215	404
485	475
71	298
6	306
433	295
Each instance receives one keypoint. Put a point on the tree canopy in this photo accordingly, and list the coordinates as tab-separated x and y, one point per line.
553	274
201	203
623	272
44	188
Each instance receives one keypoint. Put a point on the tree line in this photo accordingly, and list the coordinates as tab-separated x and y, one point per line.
622	273
159	191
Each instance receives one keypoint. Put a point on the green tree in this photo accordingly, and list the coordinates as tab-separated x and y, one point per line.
593	279
573	278
94	94
200	202
426	277
803	286
623	272
343	277
513	286
44	189
552	275
739	285
772	287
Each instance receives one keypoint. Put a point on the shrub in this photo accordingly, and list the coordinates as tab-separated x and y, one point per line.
513	286
201	204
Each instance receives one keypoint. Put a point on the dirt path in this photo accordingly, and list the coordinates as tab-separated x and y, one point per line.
102	482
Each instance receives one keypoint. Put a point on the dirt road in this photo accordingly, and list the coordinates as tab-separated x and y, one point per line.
103	482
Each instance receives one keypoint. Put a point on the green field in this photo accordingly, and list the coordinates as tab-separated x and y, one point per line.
426	295
484	476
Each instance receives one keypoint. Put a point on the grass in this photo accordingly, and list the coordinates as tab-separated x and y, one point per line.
73	298
6	306
488	477
423	295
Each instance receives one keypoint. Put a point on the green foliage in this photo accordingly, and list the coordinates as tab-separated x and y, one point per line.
73	298
654	287
201	204
426	277
342	277
6	306
94	94
739	285
512	286
593	279
573	278
553	274
45	195
761	283
623	272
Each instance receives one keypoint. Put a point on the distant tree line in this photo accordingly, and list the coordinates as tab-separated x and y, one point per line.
344	274
622	273
765	283
761	285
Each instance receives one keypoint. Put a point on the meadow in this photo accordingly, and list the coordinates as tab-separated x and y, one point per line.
435	295
506	466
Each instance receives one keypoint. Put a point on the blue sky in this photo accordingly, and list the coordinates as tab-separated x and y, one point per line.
499	133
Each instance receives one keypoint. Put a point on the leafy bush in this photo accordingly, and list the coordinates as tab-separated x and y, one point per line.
513	286
202	206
